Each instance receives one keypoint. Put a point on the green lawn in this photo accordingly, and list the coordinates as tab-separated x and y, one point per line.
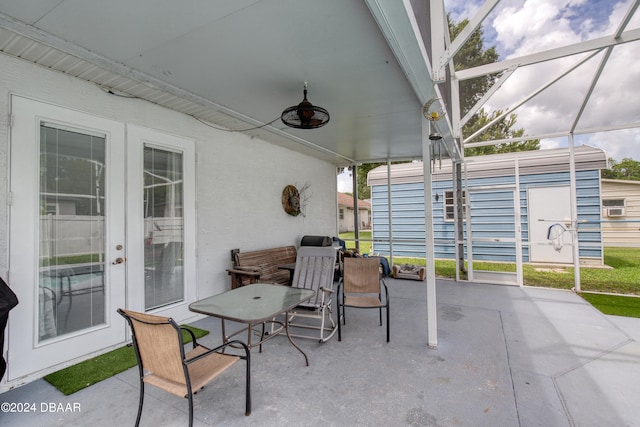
614	304
622	275
365	247
82	375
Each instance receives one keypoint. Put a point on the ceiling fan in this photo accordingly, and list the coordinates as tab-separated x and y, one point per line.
305	115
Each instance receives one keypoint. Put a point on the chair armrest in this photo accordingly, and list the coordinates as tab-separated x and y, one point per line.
237	274
325	293
221	347
386	290
242	272
193	336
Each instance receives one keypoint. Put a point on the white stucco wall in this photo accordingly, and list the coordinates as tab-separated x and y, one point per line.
239	178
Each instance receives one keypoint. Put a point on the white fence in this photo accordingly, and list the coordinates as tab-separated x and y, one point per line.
68	235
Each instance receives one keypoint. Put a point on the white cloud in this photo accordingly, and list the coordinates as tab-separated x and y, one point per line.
522	27
345	182
533	27
461	9
550	144
618	145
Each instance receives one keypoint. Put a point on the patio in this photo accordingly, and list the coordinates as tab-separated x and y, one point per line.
212	79
507	356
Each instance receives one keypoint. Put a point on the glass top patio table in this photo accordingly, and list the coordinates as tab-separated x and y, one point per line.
254	304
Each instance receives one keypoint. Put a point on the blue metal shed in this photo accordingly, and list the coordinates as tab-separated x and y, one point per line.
512	201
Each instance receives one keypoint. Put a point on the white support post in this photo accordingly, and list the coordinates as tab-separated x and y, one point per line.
356	218
438	59
456	178
390	212
432	316
574	216
456	122
518	221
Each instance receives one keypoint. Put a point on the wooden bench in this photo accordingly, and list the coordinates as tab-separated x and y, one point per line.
262	266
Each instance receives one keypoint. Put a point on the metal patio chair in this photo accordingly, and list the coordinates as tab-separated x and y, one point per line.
315	267
163	362
361	287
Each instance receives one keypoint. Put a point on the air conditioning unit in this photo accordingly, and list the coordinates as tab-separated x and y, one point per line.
615	212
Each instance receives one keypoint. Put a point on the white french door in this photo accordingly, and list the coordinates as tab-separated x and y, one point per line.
67	231
101	217
161	223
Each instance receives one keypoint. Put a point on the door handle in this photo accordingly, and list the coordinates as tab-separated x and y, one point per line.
119	260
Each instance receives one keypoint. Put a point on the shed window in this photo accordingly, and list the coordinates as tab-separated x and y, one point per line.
341	213
613	203
449	205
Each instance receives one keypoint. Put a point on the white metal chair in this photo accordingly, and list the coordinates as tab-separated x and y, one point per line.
315	267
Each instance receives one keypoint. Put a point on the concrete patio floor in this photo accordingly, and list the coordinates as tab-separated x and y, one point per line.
507	356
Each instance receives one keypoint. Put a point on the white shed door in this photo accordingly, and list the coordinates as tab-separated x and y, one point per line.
550	207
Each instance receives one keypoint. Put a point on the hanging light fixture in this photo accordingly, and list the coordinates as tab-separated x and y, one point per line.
434	134
305	115
432	116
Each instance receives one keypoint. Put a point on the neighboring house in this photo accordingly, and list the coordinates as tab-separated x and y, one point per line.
346	217
620	212
513	201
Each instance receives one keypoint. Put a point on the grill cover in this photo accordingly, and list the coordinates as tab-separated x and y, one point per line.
316	241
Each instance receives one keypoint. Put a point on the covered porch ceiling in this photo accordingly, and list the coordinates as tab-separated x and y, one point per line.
237	64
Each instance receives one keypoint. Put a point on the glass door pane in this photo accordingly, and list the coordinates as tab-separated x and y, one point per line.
72	230
163	227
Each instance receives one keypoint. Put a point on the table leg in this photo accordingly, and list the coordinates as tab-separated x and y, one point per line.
226	338
224	335
286	328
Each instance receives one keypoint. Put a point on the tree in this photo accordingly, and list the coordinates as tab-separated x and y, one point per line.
627	169
364	192
502	129
473	54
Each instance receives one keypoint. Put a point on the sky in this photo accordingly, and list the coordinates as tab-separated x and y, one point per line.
521	27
